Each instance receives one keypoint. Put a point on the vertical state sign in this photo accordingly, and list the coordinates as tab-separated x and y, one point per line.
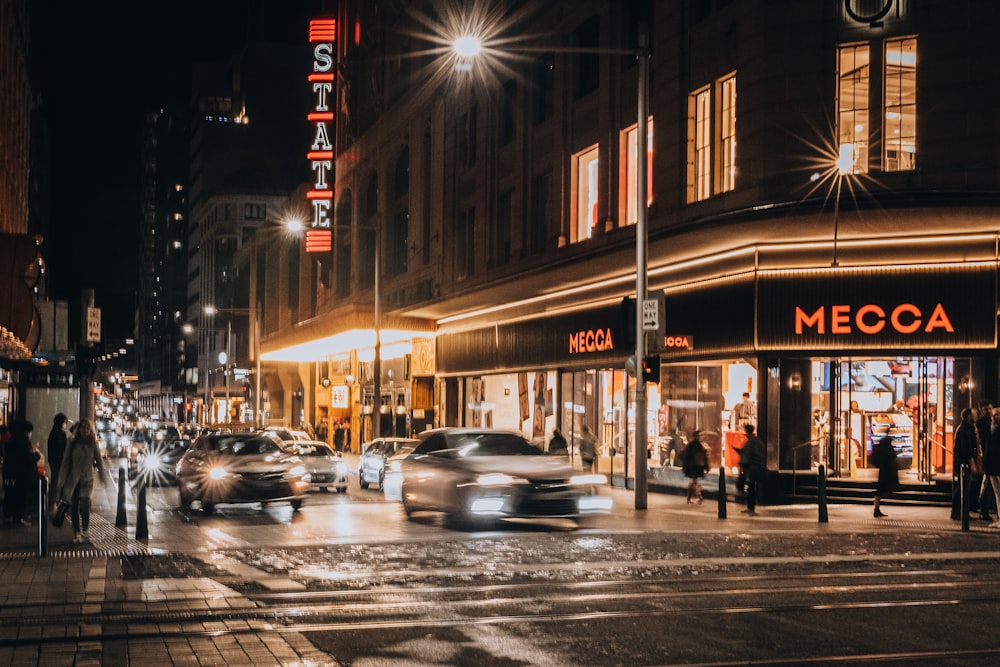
322	34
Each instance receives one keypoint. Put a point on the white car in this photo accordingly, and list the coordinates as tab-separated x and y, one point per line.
372	464
327	469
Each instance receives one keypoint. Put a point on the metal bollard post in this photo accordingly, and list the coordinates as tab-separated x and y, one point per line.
963	497
121	520
141	529
821	494
43	516
722	492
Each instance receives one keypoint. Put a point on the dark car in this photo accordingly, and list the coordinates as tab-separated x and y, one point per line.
240	468
475	475
371	465
149	437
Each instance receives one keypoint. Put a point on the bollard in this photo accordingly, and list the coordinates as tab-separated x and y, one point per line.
963	497
141	529
722	492
821	494
43	516
121	520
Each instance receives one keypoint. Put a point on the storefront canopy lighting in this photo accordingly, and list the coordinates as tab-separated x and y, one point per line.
345	341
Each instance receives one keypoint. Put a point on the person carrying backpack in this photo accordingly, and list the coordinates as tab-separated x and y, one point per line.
694	462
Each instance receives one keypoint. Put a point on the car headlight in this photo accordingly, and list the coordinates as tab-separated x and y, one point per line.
151	462
218	472
495	479
298	471
588	479
341	468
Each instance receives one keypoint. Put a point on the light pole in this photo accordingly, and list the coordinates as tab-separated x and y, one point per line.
468	47
254	314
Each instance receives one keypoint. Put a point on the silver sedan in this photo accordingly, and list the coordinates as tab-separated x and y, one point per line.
327	469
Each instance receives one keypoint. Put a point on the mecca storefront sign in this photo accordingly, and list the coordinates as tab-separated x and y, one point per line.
950	307
322	33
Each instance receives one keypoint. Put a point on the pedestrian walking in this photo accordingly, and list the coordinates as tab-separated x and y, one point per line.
588	448
984	500
56	446
557	445
694	463
754	464
76	483
885	459
966	453
20	472
991	460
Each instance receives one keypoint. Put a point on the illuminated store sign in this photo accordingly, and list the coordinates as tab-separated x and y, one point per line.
591	340
322	34
871	319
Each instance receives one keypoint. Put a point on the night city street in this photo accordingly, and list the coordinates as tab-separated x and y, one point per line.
349	580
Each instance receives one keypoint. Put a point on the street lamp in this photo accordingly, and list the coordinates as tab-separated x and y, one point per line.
468	47
254	313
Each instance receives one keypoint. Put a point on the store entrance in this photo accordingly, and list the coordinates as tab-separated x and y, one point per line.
912	400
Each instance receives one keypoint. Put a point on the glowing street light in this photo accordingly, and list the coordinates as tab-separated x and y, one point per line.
467	47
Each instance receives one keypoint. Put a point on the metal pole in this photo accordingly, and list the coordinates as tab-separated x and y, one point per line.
256	353
377	364
205	352
226	366
642	129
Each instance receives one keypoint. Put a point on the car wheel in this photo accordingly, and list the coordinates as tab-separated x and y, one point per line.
207	507
341	489
407	507
381	482
363	482
296	504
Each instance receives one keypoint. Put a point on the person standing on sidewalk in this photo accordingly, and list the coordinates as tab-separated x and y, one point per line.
588	449
754	463
991	461
20	472
56	447
76	484
884	457
966	453
694	462
982	496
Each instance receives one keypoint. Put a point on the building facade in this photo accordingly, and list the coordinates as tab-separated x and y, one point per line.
822	225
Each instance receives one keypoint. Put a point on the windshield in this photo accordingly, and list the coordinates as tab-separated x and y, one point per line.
243	446
492	444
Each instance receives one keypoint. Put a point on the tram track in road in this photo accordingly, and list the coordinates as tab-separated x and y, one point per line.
461	605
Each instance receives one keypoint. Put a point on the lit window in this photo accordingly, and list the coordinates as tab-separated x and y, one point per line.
631	157
700	145
853	85
727	132
900	74
585	166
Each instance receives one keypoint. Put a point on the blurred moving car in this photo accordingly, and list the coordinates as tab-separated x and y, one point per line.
327	469
148	437
157	464
371	465
240	468
475	475
392	483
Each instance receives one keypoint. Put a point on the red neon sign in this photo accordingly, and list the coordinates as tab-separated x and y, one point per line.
322	34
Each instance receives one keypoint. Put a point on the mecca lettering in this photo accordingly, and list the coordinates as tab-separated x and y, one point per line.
871	319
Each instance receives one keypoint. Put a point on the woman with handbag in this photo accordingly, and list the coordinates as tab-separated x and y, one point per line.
76	483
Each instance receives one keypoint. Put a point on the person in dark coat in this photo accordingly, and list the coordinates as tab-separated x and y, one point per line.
754	463
983	500
557	445
884	457
20	472
991	459
966	453
694	463
57	445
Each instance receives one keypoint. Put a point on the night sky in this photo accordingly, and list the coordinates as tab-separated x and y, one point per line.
99	67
